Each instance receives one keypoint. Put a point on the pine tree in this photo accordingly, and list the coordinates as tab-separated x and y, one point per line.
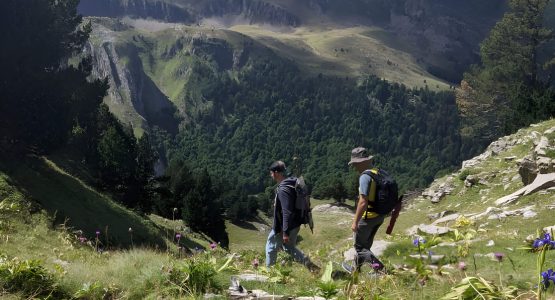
507	91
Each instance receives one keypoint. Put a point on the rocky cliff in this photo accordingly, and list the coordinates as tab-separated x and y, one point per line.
190	11
132	95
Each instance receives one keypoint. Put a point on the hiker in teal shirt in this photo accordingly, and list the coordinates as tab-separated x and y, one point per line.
365	222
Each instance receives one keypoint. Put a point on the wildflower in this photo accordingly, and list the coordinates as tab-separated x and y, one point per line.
130	230
547	276
499	256
97	233
546	241
82	239
418	240
255	263
213	246
178	236
377	266
175	209
461	266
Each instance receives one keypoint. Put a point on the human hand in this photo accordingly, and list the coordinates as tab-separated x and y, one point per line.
354	226
285	238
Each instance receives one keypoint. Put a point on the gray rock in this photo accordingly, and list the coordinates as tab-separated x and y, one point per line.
529	214
509	158
435	258
328	208
428	229
542	182
527	169
446	219
471	180
541	147
545	165
439	214
252	277
549	229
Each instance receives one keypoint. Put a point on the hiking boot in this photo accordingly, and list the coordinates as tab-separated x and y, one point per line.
312	267
347	267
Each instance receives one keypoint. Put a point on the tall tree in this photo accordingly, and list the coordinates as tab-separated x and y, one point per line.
507	90
41	93
202	210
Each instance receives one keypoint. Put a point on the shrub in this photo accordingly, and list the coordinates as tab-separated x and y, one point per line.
28	277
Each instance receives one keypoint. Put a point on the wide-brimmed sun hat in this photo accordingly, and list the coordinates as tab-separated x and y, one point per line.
359	154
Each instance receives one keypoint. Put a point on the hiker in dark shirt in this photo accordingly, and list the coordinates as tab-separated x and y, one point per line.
287	221
365	222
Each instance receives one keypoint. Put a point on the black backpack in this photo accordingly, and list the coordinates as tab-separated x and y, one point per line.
387	191
302	202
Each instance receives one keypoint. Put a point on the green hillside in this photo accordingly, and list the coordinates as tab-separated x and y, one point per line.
75	269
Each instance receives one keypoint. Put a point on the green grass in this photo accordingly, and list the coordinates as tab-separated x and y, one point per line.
140	272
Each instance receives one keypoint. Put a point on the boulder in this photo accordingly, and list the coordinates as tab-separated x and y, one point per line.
471	180
527	169
541	147
542	182
329	208
545	165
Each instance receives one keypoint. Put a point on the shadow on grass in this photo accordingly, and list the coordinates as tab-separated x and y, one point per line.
69	201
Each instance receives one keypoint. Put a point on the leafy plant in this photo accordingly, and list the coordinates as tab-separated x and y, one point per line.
95	290
327	288
28	277
479	288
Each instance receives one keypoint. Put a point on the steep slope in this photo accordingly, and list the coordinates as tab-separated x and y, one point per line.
500	201
70	202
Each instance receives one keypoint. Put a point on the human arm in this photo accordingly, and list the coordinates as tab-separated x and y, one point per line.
361	208
287	203
364	182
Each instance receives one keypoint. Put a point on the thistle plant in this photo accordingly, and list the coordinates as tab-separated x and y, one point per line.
97	240
131	236
499	257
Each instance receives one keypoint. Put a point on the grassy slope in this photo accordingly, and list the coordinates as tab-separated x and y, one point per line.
136	271
365	51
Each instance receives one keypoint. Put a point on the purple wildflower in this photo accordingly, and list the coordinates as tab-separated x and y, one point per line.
546	241
97	233
213	246
461	266
377	266
82	239
417	241
499	256
547	276
178	236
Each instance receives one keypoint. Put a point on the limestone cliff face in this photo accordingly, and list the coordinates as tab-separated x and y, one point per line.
191	11
132	95
156	9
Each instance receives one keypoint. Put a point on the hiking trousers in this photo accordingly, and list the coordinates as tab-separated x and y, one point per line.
364	238
275	242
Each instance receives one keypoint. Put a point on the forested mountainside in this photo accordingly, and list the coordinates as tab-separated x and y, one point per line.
239	106
443	36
